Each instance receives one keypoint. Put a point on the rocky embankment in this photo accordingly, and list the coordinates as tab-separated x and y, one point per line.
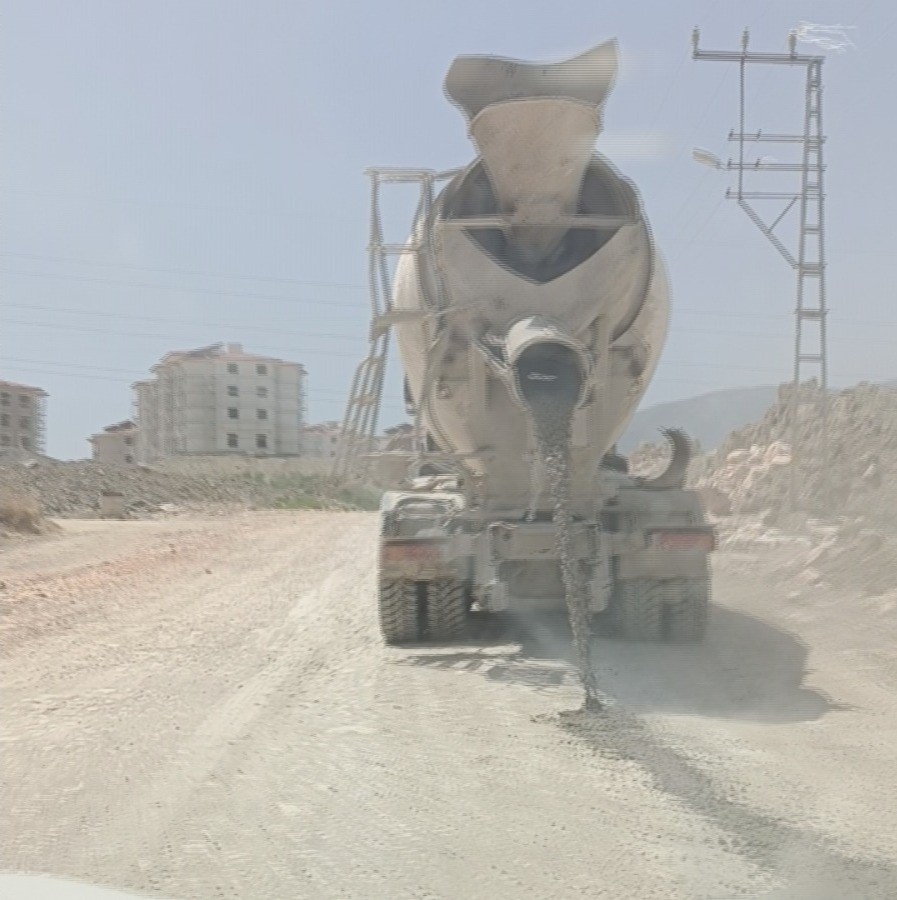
847	538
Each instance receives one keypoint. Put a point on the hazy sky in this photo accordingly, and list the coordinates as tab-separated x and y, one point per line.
179	172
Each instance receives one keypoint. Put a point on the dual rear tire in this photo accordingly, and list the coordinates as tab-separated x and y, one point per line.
674	610
415	611
397	607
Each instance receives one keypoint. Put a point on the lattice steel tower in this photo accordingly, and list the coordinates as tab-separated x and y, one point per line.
808	262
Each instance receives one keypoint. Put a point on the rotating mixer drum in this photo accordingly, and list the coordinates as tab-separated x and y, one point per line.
541	240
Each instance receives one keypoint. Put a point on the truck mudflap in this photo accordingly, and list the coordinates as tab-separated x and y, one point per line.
672	551
682	538
415	559
660	565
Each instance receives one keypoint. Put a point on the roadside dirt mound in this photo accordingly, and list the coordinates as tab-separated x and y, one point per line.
73	490
21	514
750	472
753	465
744	486
747	483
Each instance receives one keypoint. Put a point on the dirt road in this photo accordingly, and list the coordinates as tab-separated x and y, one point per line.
203	709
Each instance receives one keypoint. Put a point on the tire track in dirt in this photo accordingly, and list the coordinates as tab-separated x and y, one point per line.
803	858
263	743
170	663
807	859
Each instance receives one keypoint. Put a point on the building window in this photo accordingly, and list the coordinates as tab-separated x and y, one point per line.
4	440
261	413
129	441
232	441
4	419
233	412
261	391
24	422
24	400
128	458
261	369
261	441
4	399
232	390
26	443
232	369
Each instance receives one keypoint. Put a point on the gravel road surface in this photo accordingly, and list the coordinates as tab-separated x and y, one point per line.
202	708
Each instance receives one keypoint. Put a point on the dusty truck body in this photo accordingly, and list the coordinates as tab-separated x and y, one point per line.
532	270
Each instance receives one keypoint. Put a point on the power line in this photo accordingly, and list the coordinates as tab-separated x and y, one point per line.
315	394
173	321
114	265
141	201
690	142
674	80
181	289
170	337
134	375
395	407
883	33
740	244
691	139
670	85
689	310
322	351
695	234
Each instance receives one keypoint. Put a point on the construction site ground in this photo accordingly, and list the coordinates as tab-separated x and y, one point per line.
203	708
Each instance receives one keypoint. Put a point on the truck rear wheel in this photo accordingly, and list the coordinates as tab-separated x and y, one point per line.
687	617
446	609
637	610
397	606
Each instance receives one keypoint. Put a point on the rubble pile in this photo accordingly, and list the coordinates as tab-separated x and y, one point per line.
748	478
852	555
851	541
753	467
74	489
21	515
744	485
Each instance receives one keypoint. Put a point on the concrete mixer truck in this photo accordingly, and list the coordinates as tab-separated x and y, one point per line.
530	288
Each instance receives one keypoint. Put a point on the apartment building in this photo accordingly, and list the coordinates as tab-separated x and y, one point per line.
220	400
321	441
399	437
115	445
22	418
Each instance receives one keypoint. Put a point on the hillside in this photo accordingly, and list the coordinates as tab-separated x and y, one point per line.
708	418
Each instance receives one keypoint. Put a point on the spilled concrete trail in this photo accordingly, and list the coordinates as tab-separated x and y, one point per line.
202	708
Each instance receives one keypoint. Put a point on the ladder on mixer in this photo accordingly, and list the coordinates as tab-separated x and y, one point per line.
359	429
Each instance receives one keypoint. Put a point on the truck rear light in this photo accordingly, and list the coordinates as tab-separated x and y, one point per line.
683	540
413	551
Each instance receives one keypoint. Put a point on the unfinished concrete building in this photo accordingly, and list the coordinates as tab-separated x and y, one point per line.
22	418
321	441
220	400
115	445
